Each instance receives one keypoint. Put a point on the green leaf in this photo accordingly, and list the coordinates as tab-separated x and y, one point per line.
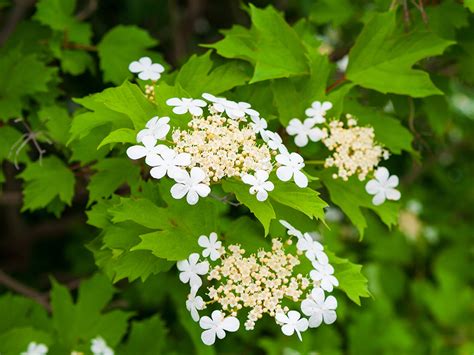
16	73
121	135
469	4
147	337
19	311
57	121
59	15
76	62
141	211
111	174
304	200
330	11
350	277
9	144
351	196
119	47
128	99
79	322
271	45
383	56
262	210
198	75
45	180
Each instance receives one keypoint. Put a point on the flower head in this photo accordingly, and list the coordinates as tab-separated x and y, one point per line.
181	106
146	69
211	246
190	185
194	304
150	150
383	187
191	269
156	127
217	325
304	131
292	322
35	349
319	309
318	110
291	165
260	184
168	162
100	347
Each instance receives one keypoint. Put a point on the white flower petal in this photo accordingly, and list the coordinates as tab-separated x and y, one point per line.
178	191
136	152
382	174
300	179
158	172
208	337
379	198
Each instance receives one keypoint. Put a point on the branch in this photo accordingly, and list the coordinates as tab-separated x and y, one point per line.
16	15
88	10
334	85
24	290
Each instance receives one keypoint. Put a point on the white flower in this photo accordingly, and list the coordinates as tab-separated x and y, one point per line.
291	165
383	187
318	309
35	349
274	141
149	149
146	69
259	183
259	125
211	246
324	274
234	110
218	102
304	131
155	127
217	325
318	110
193	106
194	304
291	230
191	269
99	347
313	249
190	185
168	163
292	323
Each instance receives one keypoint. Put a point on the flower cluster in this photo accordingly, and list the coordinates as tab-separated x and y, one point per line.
265	282
355	151
224	140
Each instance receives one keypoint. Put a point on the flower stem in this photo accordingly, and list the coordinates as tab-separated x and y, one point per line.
314	162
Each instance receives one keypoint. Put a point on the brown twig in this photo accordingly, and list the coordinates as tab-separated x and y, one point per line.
334	85
88	10
24	290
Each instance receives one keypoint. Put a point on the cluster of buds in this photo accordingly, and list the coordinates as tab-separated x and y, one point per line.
355	151
263	283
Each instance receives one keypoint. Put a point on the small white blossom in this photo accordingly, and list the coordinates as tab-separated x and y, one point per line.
343	63
100	347
260	185
190	185
291	230
274	141
168	162
191	269
150	150
319	309
217	325
324	274
313	249
291	165
194	304
383	187
240	109
35	349
211	246
146	69
318	110
156	127
218	102
183	105
292	323
259	125
304	131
